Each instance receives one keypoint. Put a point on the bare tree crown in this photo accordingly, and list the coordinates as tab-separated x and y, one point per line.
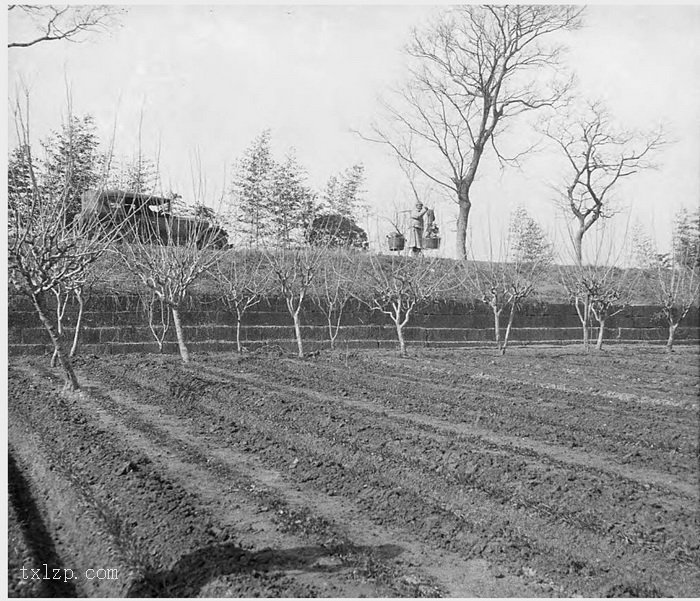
49	23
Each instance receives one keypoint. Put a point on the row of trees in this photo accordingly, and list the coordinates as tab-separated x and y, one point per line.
50	256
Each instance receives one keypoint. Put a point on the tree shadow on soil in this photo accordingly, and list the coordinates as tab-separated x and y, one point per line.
187	577
35	532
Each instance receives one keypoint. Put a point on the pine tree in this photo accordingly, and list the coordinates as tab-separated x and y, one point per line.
19	182
74	163
343	195
686	238
252	189
292	200
142	176
528	242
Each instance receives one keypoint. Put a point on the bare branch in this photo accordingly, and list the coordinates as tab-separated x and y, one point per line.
53	23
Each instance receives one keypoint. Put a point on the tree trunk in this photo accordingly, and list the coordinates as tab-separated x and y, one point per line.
297	331
60	312
40	306
497	326
239	316
601	331
508	327
184	353
671	333
331	336
465	206
399	334
584	317
578	245
78	323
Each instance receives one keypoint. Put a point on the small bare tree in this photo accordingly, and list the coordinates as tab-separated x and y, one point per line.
33	24
157	313
168	254
395	286
80	289
502	286
678	290
598	292
599	155
295	268
510	275
243	281
47	251
333	288
675	277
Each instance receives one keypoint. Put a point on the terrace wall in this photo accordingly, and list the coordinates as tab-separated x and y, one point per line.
117	324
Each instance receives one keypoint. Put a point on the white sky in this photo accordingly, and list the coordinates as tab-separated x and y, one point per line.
210	79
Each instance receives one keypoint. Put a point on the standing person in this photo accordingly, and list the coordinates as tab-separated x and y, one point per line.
416	240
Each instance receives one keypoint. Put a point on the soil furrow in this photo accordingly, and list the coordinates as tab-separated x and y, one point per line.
670	446
545	472
474	578
292	441
555	452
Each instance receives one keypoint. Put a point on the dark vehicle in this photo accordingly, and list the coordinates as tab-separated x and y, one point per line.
148	218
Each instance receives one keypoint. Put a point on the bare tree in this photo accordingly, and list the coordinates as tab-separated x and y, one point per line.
474	70
502	286
168	254
333	288
37	24
243	280
79	288
598	292
678	290
510	275
295	269
395	286
47	252
599	154
675	277
157	313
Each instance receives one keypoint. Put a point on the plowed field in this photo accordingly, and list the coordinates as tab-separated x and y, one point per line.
547	472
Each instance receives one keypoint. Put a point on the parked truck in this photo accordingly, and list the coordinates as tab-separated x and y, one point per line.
147	218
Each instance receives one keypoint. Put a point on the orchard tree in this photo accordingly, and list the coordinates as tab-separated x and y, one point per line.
675	276
295	269
168	255
48	252
333	288
474	70
396	285
599	154
243	280
30	24
598	292
511	274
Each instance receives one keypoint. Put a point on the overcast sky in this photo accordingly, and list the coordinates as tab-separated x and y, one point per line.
209	79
